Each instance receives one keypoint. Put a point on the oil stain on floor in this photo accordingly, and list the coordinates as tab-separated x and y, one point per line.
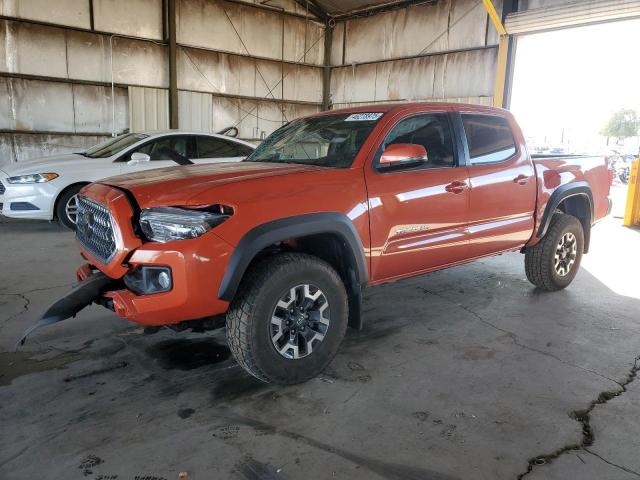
17	364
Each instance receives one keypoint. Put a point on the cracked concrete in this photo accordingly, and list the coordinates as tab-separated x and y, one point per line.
588	436
465	373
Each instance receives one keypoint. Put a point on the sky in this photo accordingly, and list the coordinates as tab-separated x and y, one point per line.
574	79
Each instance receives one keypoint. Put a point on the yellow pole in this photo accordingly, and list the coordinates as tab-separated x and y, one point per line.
503	54
495	18
632	210
501	71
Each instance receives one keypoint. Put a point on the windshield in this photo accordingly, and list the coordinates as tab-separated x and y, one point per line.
326	141
113	145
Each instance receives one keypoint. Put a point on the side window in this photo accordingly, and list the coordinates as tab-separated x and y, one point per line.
489	138
154	148
211	147
431	131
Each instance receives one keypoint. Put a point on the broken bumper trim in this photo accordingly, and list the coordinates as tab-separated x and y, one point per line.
83	293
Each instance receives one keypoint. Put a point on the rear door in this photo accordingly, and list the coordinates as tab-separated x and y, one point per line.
217	150
502	198
418	214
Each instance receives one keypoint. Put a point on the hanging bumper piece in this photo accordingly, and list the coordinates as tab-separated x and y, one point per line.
83	293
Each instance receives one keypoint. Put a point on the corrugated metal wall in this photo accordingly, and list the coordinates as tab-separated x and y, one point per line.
245	67
148	108
236	66
239	63
445	51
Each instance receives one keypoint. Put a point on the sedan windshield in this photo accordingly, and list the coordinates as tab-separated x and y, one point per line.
326	141
114	145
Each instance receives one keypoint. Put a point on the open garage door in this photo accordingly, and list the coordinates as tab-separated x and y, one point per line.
570	15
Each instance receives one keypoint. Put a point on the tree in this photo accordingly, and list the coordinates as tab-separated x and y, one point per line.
622	124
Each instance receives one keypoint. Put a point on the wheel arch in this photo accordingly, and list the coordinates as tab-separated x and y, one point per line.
574	199
62	192
330	236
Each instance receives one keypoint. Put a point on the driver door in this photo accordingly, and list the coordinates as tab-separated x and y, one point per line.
418	214
154	148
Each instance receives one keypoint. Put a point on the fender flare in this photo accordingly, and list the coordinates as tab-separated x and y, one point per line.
260	237
560	194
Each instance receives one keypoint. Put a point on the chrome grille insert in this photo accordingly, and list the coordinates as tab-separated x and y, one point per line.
94	229
2	188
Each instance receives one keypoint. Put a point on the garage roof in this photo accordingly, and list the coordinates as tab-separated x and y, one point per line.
353	8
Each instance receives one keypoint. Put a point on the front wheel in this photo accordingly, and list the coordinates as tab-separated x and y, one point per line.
288	319
67	207
553	263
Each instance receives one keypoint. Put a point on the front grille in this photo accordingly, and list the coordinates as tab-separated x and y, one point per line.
94	229
2	188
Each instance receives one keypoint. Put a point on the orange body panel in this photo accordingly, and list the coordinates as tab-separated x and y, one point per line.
197	268
408	222
502	201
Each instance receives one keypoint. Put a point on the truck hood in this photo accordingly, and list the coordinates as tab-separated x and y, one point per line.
46	164
175	186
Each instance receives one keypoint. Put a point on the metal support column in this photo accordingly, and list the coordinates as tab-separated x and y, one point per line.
506	49
173	69
326	73
632	210
501	71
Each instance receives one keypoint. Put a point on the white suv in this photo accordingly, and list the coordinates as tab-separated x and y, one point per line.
47	188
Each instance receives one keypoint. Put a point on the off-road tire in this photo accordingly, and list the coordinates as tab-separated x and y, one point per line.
61	203
249	317
539	259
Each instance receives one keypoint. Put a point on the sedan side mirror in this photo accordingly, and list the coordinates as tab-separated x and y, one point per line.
403	154
137	158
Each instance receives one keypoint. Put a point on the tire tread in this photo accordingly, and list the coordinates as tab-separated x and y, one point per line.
238	325
537	268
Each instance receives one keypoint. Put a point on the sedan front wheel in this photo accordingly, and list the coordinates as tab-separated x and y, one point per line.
67	207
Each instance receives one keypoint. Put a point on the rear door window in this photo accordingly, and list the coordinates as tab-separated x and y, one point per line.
211	147
429	130
489	138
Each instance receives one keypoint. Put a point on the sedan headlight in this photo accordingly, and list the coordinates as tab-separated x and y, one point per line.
164	224
32	178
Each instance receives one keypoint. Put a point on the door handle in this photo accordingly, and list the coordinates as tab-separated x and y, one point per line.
456	187
521	179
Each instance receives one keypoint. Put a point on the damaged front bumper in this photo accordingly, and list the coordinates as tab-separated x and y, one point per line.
194	273
89	289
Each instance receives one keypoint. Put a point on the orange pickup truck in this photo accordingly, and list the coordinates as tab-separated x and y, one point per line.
278	248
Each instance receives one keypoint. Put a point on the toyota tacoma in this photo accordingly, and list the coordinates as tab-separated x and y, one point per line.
278	248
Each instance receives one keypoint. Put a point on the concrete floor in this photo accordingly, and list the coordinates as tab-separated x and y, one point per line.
467	373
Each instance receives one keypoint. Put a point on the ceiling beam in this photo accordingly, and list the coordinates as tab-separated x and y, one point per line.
314	8
375	9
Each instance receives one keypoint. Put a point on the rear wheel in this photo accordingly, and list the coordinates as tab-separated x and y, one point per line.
67	207
288	319
553	263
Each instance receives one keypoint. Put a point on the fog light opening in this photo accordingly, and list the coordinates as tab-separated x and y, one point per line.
146	280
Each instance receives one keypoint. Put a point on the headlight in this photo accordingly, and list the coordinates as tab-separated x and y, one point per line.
33	178
164	224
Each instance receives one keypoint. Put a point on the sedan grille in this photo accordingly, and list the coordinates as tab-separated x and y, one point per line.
2	189
94	229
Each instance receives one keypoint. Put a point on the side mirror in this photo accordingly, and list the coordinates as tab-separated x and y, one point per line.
403	154
137	158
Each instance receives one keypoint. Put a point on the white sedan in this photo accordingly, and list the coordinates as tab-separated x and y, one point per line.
47	188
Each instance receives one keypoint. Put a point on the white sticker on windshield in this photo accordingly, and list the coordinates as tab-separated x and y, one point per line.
363	117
